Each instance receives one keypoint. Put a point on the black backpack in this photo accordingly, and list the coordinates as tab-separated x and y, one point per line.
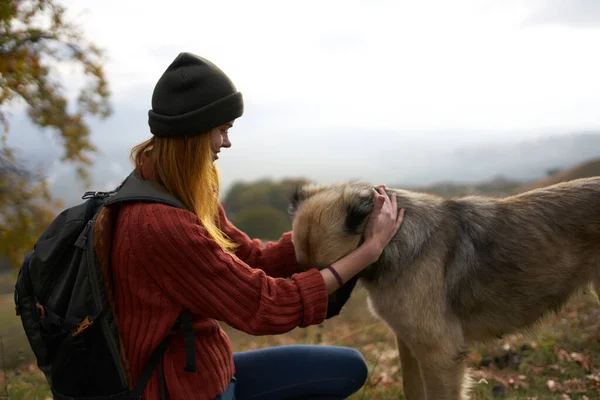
64	296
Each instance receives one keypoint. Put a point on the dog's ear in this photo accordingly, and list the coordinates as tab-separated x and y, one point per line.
295	200
357	212
301	193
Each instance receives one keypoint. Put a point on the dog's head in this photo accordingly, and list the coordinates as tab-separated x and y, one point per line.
328	221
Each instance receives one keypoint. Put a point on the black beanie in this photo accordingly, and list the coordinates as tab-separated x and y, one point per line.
192	97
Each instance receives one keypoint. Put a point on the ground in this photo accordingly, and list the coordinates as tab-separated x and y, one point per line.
557	361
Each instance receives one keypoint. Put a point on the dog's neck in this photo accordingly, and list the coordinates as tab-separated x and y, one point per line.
423	216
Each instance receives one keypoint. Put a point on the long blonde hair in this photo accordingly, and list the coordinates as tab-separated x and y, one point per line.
185	167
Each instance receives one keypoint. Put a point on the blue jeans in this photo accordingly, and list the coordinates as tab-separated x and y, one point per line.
297	372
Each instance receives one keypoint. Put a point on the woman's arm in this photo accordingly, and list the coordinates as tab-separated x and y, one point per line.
277	259
383	223
192	269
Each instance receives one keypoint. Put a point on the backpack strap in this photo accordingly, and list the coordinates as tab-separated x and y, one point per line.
161	381
184	323
134	188
188	340
153	362
156	358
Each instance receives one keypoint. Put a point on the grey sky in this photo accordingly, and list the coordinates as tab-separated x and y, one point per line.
571	13
353	87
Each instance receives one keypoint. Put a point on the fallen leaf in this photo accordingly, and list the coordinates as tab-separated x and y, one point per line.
390	354
572	314
563	355
537	370
585	361
552	385
558	368
594	377
574	386
505	377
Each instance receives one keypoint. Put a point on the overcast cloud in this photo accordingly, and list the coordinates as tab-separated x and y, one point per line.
318	77
570	13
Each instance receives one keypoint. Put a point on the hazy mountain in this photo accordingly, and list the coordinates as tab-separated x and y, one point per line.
524	160
412	162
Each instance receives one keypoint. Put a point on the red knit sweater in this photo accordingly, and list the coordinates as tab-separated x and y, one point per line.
164	261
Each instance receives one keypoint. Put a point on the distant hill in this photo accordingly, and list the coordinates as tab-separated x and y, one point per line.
583	170
408	161
523	160
501	186
498	186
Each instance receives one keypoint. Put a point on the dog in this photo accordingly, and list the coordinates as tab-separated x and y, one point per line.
459	271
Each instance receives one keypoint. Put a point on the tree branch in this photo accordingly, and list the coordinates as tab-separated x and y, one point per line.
29	38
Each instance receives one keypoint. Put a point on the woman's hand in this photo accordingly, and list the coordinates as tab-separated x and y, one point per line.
384	221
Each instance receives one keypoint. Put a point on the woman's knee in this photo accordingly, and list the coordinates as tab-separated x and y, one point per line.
311	369
357	367
346	359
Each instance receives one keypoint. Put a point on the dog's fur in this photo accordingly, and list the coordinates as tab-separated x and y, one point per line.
459	271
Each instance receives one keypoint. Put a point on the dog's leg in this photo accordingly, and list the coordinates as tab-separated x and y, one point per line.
411	374
443	374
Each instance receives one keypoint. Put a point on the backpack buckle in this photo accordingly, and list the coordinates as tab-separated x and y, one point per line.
82	326
98	195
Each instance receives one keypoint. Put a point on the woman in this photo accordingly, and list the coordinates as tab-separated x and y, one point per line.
167	259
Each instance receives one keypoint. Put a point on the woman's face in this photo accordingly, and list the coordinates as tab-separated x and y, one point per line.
219	137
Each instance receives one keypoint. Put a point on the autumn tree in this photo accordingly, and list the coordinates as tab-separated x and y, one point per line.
243	195
263	222
35	40
260	208
26	208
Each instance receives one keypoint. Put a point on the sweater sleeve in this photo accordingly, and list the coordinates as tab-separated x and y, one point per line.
193	270
277	259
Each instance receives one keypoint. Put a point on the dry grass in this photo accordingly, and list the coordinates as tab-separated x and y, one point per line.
582	170
16	347
552	362
7	282
556	361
